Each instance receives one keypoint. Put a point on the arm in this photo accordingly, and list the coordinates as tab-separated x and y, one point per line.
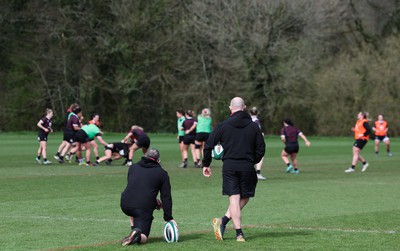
101	140
40	125
193	127
166	198
367	129
125	140
308	143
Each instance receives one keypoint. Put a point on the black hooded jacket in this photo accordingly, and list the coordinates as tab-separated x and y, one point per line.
242	141
145	179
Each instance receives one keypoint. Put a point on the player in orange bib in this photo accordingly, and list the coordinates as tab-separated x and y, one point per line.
361	130
381	128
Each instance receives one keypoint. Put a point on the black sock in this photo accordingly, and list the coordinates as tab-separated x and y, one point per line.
97	157
225	220
288	164
365	162
295	168
45	160
38	157
239	231
132	227
185	161
258	171
58	154
352	166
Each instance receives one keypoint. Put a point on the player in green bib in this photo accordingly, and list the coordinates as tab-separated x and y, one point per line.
203	130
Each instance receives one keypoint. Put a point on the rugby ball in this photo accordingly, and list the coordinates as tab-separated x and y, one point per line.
171	232
217	152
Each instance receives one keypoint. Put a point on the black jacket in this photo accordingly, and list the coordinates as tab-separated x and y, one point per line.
145	179
242	141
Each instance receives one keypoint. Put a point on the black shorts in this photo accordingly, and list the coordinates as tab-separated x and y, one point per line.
239	182
69	136
381	138
42	136
143	141
292	148
189	139
81	137
202	136
360	143
141	219
180	139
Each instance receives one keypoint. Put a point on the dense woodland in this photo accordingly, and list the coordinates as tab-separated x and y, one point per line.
318	62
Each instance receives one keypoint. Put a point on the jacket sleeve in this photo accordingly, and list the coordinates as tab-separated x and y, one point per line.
260	146
166	198
212	140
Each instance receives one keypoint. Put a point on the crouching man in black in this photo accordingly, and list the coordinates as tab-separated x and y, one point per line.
139	199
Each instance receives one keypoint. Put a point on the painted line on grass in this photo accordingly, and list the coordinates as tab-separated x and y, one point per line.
266	226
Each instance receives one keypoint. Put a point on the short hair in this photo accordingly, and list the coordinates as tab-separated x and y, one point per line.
181	111
153	154
288	121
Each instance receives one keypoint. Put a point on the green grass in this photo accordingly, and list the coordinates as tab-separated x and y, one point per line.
67	207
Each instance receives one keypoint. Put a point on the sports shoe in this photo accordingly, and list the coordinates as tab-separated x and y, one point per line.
260	177
95	163
219	229
240	238
390	154
350	170
183	164
56	157
289	168
67	157
108	162
129	163
365	167
132	238
83	164
38	160
295	171
47	162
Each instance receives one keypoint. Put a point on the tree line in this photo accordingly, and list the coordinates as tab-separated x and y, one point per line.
136	62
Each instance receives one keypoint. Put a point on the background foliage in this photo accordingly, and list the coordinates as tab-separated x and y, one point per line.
136	62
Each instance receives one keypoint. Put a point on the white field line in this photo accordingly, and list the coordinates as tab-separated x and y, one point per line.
322	229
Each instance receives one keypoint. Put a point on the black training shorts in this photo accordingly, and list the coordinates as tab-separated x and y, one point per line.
202	136
360	143
239	182
292	148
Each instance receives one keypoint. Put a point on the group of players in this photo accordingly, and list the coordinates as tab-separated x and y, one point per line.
80	136
192	132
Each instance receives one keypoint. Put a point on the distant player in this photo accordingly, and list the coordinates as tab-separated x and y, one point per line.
180	114
203	130
189	127
114	151
289	136
381	128
44	125
137	138
95	119
254	117
361	130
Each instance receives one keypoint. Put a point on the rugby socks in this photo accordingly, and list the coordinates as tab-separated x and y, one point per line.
353	167
225	220
45	159
365	162
97	157
258	171
239	232
38	157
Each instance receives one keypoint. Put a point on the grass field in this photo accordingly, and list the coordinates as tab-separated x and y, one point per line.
67	207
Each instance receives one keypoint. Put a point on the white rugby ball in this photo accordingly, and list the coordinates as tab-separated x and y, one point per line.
171	233
217	152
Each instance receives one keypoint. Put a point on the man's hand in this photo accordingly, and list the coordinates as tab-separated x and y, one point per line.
207	171
159	204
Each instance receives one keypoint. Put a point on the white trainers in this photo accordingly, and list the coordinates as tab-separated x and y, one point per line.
47	162
365	167
350	170
38	160
260	177
390	154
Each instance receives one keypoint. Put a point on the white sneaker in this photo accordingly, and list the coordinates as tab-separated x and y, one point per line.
350	170
365	167
390	154
129	163
38	160
260	177
47	162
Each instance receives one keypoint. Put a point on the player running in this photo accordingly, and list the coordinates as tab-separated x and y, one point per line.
381	128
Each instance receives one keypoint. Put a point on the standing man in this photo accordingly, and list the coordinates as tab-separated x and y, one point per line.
381	128
361	130
244	146
139	199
